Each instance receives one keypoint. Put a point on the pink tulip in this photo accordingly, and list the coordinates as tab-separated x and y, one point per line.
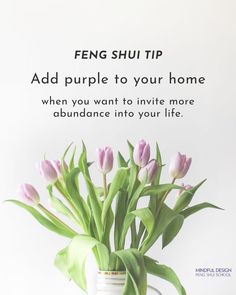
141	153
58	167
148	172
29	194
183	189
105	159
47	170
179	166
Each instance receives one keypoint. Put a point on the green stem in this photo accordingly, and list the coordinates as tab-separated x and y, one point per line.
51	215
104	177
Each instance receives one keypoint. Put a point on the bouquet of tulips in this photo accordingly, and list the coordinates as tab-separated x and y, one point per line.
93	215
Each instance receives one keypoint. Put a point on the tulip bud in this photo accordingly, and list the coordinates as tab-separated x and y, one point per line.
29	194
183	189
141	153
47	170
148	172
57	165
179	165
105	159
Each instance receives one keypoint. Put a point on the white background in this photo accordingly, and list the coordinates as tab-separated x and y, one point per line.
197	37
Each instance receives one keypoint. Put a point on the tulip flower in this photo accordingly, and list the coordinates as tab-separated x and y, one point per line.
141	153
29	194
179	166
47	170
183	189
105	160
148	172
57	165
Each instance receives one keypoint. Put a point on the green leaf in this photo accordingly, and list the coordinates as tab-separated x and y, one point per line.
131	152
93	198
83	210
120	213
135	197
121	161
145	215
117	183
191	210
164	272
163	219
59	223
136	275
133	181
61	262
108	226
64	172
159	162
43	220
72	160
133	200
66	151
113	263
156	195
159	188
71	260
172	230
61	208
186	197
153	202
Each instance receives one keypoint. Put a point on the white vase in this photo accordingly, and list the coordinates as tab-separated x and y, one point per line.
112	283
